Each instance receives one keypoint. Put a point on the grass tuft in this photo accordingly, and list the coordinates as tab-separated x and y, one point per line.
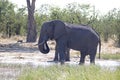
110	56
67	72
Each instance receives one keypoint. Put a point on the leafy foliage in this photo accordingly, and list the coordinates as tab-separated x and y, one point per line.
13	22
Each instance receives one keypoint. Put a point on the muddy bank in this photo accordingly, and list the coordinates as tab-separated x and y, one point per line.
23	54
14	52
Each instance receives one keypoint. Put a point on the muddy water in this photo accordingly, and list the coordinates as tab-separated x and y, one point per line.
35	60
112	65
36	63
11	74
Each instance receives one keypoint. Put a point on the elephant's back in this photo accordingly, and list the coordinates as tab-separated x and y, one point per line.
85	31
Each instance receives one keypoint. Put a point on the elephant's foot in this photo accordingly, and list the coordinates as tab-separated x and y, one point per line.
67	59
62	62
55	59
81	63
92	62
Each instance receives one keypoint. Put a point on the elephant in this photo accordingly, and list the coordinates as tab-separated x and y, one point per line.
67	55
82	38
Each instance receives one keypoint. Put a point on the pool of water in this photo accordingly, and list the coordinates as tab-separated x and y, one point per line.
11	74
112	65
35	63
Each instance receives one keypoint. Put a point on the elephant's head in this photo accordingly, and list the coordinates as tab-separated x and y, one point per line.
49	31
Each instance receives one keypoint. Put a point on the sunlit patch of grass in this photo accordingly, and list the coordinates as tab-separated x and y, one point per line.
110	56
67	72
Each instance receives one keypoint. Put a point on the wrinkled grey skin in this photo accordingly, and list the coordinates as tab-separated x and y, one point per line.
69	36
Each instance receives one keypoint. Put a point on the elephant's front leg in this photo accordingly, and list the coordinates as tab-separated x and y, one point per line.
82	58
56	58
67	55
92	56
60	50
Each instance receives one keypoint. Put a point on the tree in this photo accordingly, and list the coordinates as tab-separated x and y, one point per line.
117	26
20	21
7	18
31	25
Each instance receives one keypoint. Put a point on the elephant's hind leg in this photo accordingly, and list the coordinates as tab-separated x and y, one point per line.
67	55
82	58
92	56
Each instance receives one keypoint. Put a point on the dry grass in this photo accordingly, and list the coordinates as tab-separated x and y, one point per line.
109	47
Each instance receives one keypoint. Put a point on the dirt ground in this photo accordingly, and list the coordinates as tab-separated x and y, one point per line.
21	50
14	52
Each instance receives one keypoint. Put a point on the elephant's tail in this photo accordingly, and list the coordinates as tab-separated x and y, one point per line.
99	47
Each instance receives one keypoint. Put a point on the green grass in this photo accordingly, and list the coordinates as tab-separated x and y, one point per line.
110	56
67	72
105	56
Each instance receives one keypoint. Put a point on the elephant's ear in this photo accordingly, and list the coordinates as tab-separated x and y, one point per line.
59	29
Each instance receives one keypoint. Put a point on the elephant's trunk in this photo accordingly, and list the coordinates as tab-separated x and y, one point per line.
42	45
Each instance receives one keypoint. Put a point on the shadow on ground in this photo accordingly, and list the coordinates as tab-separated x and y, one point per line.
18	47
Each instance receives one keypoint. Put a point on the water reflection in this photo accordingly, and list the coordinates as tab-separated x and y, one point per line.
103	63
110	64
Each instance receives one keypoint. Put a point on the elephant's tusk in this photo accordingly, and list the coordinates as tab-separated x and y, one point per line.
35	44
40	43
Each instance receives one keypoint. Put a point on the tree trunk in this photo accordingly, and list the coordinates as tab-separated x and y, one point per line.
118	40
31	25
